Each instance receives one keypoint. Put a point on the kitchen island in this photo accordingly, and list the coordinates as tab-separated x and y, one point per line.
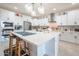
40	43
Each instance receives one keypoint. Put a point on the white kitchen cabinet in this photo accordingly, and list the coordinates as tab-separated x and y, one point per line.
61	19
0	16
76	37
11	15
72	37
65	36
77	17
58	19
71	18
4	14
64	19
68	36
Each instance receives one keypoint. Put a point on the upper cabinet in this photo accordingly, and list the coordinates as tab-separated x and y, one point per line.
58	19
73	17
77	17
61	19
70	18
64	19
6	15
10	16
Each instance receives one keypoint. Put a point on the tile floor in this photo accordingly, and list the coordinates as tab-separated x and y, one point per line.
65	48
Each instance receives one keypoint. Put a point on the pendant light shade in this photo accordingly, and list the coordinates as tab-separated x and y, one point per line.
41	9
33	13
29	7
33	9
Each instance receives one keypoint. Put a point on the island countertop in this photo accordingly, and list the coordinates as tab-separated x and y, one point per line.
38	38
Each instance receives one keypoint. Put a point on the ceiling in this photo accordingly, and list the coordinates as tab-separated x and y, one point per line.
47	6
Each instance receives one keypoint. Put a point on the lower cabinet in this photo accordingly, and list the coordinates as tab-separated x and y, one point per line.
64	36
70	37
77	38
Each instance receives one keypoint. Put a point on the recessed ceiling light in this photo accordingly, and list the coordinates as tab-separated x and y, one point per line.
15	7
54	8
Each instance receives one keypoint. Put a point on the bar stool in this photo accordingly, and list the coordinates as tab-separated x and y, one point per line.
21	48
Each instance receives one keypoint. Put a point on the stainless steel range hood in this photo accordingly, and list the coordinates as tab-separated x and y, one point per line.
52	18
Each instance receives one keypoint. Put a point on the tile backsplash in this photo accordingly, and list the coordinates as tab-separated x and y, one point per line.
70	29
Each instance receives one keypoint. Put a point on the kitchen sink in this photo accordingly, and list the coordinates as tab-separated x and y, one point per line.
25	33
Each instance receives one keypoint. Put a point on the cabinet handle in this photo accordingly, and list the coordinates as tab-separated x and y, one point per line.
75	22
60	35
75	37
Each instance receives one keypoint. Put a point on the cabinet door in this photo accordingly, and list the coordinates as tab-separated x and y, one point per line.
64	36
0	13
64	19
71	17
76	38
77	17
4	14
11	16
58	19
71	37
68	36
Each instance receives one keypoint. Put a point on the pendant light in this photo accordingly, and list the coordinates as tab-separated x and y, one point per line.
33	11
28	7
41	9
